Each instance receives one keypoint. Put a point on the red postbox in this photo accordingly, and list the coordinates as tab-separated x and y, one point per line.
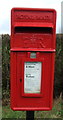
33	40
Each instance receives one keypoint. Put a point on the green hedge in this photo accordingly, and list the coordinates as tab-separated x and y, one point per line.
58	71
5	61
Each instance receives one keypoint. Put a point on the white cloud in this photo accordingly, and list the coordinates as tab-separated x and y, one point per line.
7	5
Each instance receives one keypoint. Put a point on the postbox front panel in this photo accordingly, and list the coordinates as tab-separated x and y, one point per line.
32	58
28	97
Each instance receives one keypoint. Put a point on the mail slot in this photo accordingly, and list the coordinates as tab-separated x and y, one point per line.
33	39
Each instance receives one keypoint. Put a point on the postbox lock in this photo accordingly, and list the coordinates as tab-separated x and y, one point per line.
20	80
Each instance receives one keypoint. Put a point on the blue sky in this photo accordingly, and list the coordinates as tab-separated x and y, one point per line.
7	5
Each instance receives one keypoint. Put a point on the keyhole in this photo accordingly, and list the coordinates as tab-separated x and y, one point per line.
20	80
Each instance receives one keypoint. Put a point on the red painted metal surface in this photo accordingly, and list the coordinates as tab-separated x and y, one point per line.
32	30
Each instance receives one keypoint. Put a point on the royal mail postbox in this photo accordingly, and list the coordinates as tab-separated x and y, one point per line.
33	40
